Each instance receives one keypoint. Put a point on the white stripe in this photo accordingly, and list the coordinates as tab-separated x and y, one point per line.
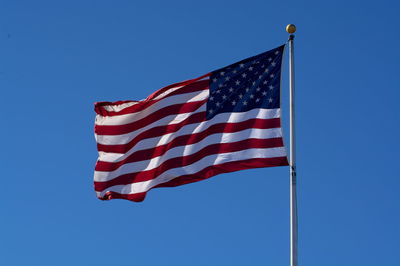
175	88
119	107
145	165
175	119
133	117
214	159
165	93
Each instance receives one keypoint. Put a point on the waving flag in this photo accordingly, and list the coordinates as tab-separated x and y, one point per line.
224	121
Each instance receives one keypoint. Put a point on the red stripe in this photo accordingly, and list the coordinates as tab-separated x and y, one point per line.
141	105
183	83
151	118
204	174
188	160
152	133
147	154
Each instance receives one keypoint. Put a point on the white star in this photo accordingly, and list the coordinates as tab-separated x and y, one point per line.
254	83
273	64
262	66
265	82
241	65
234	71
220	85
217	104
244	75
240	96
224	96
250	68
258	89
211	98
276	52
222	73
214	80
247	89
271	87
266	70
211	111
233	102
230	89
260	76
257	100
244	103
218	91
227	78
270	100
272	75
270	59
251	96
237	82
264	93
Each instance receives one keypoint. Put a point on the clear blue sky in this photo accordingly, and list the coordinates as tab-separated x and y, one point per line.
59	57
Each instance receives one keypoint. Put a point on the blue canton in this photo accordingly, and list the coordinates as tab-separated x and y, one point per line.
251	83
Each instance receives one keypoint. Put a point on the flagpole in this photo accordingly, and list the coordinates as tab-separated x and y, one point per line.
292	159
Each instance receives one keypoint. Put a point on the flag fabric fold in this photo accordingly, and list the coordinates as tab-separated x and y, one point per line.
224	121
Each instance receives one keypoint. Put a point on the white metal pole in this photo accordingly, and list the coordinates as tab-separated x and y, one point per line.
292	159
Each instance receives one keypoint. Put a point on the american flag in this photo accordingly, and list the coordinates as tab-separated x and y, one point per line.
224	121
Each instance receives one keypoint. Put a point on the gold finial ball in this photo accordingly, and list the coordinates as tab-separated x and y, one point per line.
291	28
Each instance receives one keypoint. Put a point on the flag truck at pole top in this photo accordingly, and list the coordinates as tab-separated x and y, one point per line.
291	29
